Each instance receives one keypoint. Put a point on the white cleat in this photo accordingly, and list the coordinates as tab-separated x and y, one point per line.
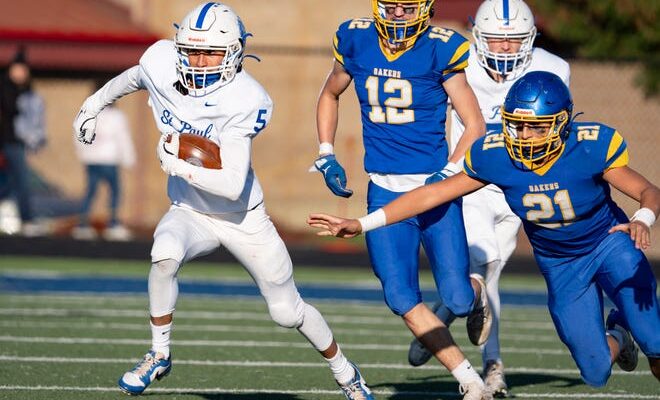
494	379
356	389
475	391
480	319
154	366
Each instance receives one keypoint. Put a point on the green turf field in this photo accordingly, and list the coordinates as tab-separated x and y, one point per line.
76	346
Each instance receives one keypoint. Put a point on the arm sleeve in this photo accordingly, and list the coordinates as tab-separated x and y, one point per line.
235	151
230	180
125	83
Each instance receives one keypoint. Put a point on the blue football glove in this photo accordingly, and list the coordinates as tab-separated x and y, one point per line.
447	171
334	175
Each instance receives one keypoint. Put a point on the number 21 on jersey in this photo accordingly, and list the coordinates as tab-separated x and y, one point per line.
395	110
546	208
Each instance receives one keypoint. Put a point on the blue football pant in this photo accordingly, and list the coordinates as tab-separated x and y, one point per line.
394	254
575	299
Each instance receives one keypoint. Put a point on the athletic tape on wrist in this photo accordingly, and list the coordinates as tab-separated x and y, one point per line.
326	148
373	220
645	216
452	168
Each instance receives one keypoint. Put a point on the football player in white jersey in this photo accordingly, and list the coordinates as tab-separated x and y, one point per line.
502	51
197	85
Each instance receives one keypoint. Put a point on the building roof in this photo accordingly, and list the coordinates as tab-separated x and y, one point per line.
456	10
72	35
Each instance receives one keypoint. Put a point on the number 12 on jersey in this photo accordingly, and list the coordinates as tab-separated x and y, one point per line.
395	110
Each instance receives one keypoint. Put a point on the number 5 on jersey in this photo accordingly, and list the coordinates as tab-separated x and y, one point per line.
396	111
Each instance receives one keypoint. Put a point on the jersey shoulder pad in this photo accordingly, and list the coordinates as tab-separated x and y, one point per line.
483	153
158	50
249	102
348	36
602	144
451	49
248	93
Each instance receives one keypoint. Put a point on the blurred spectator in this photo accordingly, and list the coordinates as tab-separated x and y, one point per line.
21	128
112	148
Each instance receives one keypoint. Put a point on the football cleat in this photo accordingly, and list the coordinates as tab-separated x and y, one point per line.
418	354
628	350
480	319
494	378
356	389
475	391
152	366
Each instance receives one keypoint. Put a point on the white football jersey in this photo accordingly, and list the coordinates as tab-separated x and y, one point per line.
231	116
490	94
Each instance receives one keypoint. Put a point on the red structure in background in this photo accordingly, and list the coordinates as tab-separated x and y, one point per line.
72	35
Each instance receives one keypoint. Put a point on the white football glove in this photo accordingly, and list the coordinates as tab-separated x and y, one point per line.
84	126
168	154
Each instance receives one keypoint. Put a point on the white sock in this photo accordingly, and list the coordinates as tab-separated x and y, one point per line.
341	368
160	338
465	374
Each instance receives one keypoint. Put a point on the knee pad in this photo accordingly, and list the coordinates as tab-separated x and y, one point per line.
163	287
287	315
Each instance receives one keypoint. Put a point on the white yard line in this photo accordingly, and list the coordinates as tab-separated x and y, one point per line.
458	332
277	364
245	343
218	390
221	315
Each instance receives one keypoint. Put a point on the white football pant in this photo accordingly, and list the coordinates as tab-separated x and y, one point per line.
183	234
491	229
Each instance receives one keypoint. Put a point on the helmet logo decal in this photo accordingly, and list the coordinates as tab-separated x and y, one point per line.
202	15
524	111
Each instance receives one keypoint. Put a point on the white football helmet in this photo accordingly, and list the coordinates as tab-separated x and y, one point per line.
504	19
210	27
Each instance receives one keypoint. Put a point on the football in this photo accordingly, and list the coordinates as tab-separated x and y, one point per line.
199	151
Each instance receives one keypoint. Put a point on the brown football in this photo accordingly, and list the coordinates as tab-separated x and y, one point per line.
199	151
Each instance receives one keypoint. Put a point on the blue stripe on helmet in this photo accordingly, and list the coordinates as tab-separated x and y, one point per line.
202	15
505	3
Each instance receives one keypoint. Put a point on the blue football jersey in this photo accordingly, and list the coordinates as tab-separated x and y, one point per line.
401	97
565	206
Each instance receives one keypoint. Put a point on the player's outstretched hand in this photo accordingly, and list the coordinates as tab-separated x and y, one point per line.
639	232
330	225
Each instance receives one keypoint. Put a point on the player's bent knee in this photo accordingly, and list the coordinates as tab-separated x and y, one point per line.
164	270
400	305
597	373
459	305
285	315
163	289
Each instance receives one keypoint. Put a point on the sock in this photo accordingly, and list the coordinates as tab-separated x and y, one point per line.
160	338
465	374
341	368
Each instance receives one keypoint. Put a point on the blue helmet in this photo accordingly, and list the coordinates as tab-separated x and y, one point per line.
542	101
